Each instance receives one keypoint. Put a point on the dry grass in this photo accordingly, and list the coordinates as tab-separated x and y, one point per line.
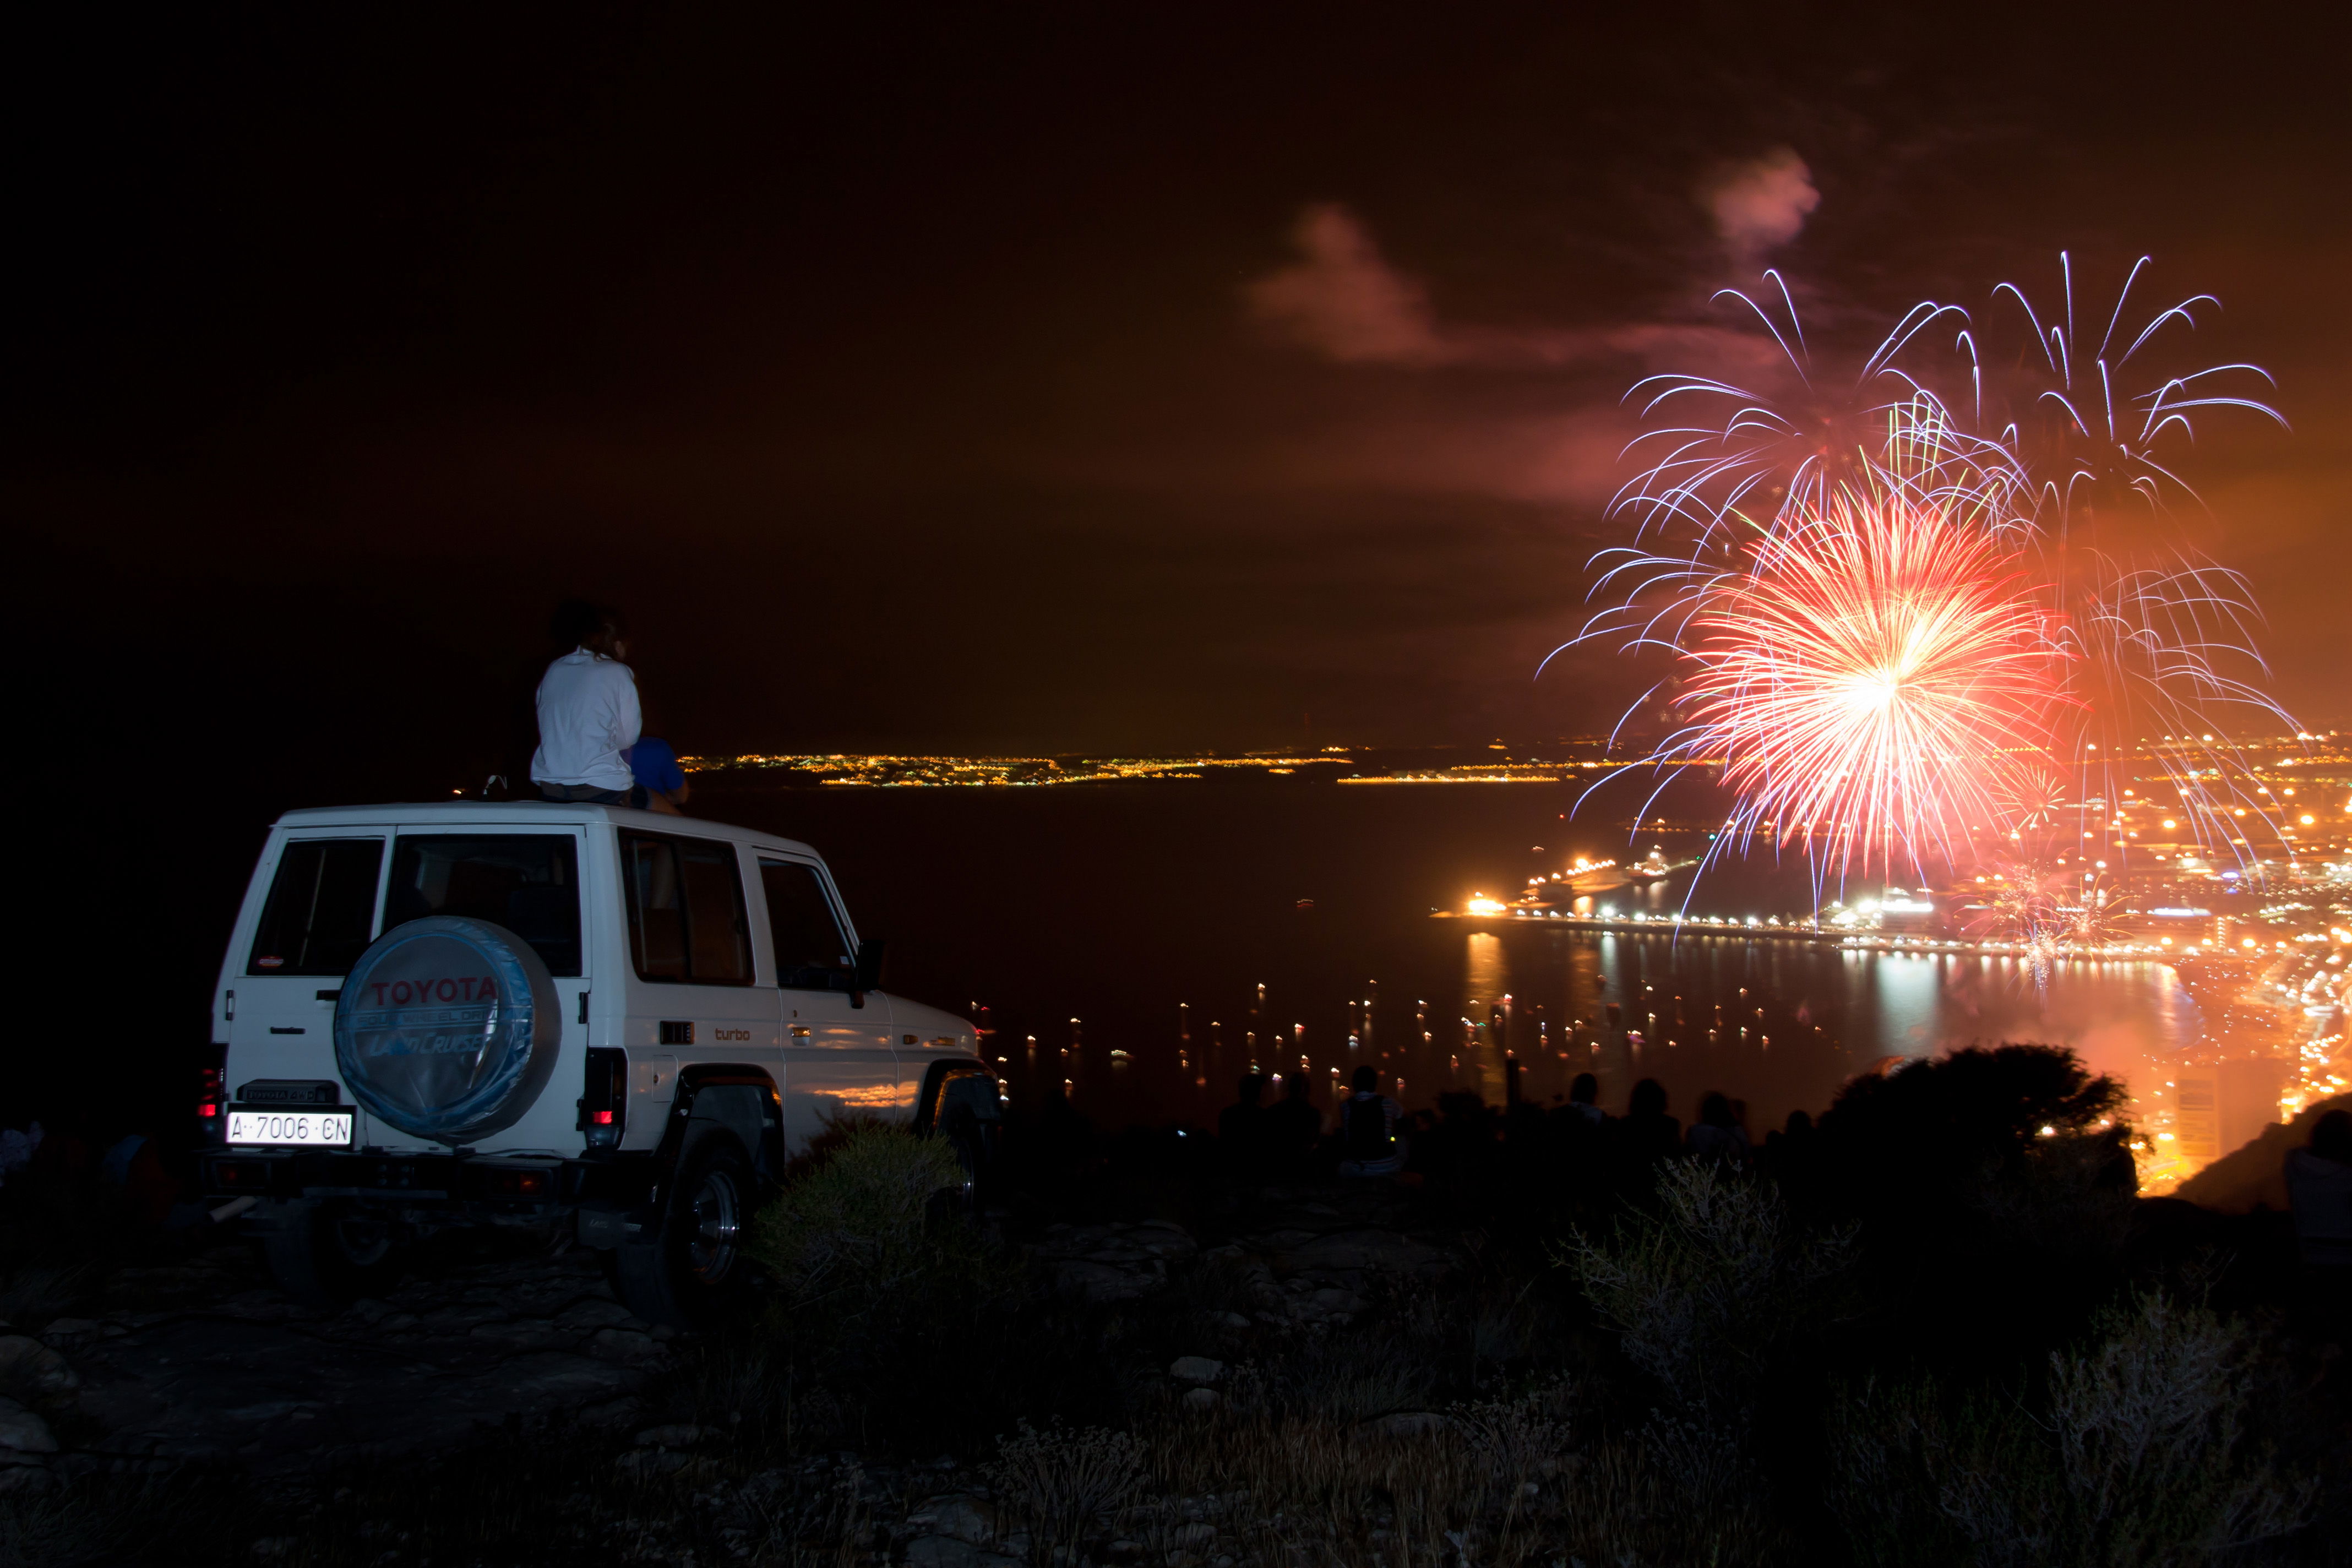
2134	1452
1495	1482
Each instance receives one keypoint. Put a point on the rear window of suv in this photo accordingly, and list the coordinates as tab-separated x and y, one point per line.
322	907
527	882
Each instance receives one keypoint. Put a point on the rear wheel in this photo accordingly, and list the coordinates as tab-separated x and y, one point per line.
326	1254
692	1271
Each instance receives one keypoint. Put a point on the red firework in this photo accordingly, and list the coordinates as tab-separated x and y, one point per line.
1880	683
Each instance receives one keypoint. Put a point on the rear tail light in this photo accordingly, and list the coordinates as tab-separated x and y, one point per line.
605	1104
514	1183
212	1097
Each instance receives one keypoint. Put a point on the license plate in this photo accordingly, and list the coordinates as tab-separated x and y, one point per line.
298	1128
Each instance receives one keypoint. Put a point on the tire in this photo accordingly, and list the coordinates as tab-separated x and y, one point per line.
693	1273
448	1028
975	1144
969	1119
327	1255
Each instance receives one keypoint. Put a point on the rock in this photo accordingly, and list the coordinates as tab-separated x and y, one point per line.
612	1413
1196	1535
1383	1249
965	1517
1102	1283
26	1476
1412	1424
685	1435
71	1329
523	1333
22	1431
1337	1303
951	1552
29	1368
1235	1320
1196	1369
589	1312
624	1345
1201	1398
941	1551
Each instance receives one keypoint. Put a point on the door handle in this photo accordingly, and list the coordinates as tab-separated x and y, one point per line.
800	1031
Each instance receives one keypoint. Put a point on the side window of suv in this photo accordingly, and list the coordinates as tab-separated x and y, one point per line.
685	911
810	953
527	882
322	907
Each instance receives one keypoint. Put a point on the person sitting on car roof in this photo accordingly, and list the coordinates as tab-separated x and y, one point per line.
588	715
661	783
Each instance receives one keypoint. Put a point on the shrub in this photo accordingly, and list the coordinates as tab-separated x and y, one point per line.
1708	1287
897	1312
857	1225
1996	1196
2138	1456
1973	1107
1051	1485
863	1248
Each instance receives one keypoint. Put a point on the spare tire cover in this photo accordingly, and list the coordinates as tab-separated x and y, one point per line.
448	1028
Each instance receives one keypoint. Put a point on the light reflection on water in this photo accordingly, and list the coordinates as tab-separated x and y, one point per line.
1780	1025
1118	904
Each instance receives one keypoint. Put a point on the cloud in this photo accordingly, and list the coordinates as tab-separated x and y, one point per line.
1342	298
1764	203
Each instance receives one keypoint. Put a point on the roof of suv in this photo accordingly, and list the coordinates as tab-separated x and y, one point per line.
453	812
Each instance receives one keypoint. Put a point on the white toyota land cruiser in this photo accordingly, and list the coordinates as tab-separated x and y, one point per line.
533	1014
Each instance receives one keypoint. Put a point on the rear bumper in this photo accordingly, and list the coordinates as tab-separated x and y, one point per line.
453	1187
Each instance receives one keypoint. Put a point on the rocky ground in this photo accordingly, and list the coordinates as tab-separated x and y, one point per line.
204	1360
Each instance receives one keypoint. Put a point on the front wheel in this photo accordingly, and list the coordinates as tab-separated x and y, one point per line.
692	1271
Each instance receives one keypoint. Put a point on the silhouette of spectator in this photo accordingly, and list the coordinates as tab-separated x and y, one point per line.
1368	1129
1065	1155
1716	1134
1583	1108
1788	1152
1460	1152
2319	1189
1293	1128
1241	1129
1648	1134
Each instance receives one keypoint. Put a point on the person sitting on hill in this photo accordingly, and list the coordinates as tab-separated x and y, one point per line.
1648	1134
1368	1129
1240	1128
588	716
1583	1110
1716	1135
2319	1190
1293	1128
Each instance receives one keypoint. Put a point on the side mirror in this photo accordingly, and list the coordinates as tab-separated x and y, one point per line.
867	973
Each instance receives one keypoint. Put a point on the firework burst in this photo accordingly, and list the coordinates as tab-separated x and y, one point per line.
1876	683
1899	622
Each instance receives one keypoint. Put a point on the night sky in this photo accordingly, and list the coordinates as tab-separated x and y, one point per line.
1031	379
